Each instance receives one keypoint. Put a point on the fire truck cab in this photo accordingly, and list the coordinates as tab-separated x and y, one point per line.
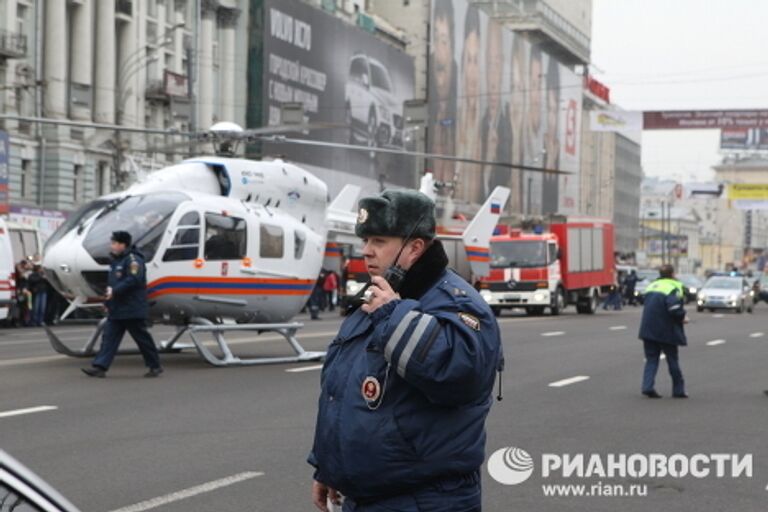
551	267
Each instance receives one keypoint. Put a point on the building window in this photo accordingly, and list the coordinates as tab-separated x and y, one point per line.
225	237
102	178
77	196
271	245
26	179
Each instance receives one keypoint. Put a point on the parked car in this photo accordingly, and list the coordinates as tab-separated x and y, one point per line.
373	112
725	292
762	293
692	286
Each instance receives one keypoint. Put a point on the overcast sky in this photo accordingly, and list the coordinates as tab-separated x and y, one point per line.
682	54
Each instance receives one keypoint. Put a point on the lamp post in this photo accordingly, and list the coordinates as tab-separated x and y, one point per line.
132	65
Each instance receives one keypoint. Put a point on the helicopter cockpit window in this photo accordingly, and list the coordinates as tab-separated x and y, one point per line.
186	241
145	217
75	219
299	241
225	237
271	241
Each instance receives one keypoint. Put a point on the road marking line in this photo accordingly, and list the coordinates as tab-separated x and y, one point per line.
30	410
30	360
718	315
714	343
189	493
568	382
756	335
553	333
305	368
618	327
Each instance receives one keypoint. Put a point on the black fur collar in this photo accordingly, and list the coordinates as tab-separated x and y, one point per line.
425	272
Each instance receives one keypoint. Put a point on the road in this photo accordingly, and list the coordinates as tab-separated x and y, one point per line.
201	438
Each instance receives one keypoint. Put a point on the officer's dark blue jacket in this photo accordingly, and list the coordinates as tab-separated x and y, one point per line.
663	313
128	280
435	353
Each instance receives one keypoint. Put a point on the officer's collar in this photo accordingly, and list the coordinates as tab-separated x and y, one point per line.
425	272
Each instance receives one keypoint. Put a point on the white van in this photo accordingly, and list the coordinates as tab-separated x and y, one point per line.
17	242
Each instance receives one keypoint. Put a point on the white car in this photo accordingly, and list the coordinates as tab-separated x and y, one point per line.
372	110
725	292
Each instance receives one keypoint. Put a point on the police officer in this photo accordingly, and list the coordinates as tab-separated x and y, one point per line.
662	332
127	307
407	382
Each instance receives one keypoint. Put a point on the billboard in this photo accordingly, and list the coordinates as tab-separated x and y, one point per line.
341	74
744	138
615	120
493	95
5	170
702	119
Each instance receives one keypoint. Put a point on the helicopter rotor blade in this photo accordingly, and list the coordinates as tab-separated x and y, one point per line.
393	151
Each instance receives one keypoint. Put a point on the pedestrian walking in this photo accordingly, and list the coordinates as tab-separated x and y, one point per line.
127	309
330	287
662	331
38	287
316	299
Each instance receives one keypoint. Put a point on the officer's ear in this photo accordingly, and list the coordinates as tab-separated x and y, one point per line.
418	247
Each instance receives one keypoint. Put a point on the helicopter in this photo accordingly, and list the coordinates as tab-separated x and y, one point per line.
230	244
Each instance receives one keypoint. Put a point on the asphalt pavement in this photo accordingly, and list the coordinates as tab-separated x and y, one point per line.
202	438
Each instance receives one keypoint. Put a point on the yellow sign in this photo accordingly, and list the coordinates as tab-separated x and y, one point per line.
748	191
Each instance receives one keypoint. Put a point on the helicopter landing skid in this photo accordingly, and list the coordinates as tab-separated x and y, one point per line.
89	349
197	326
288	331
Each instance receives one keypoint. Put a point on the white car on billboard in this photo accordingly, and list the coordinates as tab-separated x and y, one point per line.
374	114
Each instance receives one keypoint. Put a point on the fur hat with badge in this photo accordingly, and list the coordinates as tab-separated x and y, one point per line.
121	237
400	213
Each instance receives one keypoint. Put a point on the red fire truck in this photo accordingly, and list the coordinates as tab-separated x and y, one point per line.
570	261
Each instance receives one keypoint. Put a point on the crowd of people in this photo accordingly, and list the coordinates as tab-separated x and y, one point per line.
622	292
35	302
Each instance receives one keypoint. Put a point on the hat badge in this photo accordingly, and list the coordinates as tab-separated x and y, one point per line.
362	216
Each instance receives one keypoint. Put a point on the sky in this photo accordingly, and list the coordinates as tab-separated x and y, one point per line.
681	55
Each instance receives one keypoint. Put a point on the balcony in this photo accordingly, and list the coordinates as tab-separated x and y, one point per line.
155	90
544	25
12	45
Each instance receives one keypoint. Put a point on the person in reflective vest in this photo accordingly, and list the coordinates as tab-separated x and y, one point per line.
662	331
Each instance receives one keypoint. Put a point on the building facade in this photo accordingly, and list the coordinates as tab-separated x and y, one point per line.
153	64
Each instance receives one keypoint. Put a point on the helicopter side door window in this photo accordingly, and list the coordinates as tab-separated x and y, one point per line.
225	237
299	241
186	242
271	241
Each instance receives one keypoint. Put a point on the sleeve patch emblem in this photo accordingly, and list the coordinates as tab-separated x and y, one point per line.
135	267
470	321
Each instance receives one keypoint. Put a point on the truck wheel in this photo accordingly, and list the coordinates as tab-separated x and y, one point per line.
558	304
588	305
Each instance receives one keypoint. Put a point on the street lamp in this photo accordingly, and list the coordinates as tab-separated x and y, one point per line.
135	61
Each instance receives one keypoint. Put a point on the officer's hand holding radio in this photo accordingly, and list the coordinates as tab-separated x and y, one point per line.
377	294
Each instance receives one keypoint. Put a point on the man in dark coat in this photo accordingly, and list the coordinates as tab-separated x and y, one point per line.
407	382
662	331
127	307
